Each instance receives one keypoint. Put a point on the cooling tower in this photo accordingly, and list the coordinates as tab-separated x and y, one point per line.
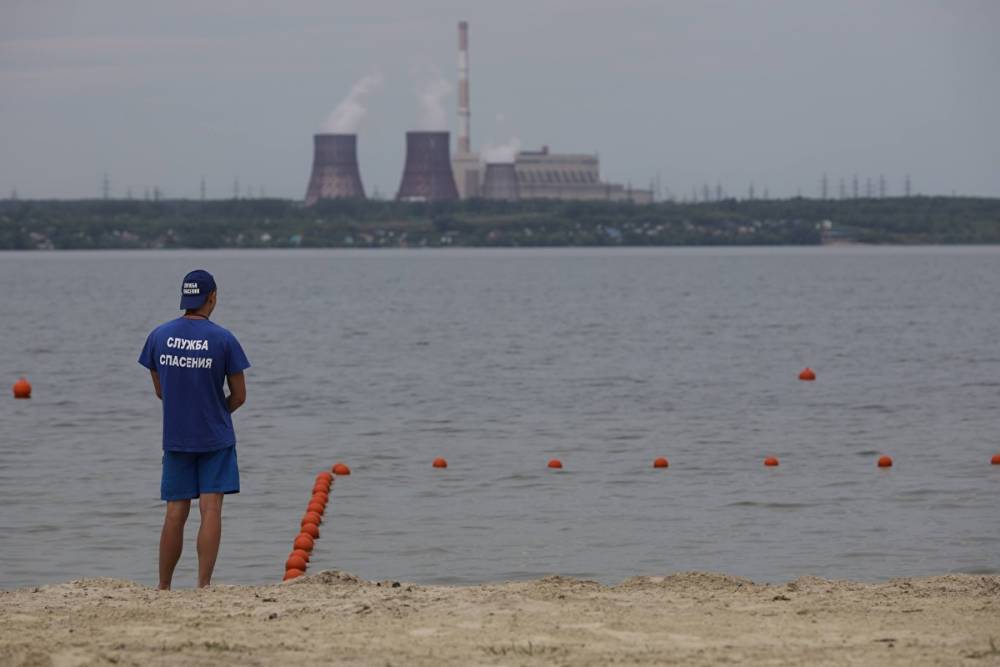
427	173
500	181
335	171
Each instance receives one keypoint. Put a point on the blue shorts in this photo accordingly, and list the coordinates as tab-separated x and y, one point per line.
187	475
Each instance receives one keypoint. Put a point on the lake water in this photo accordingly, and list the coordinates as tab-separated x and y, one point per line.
498	361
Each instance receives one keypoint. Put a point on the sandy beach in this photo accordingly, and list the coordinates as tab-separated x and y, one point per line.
335	618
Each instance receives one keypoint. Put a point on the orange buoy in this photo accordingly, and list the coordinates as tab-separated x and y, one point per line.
440	463
311	529
295	563
320	497
771	461
321	486
341	469
316	506
22	388
885	461
995	460
304	541
301	553
661	463
312	517
807	375
292	574
325	474
555	463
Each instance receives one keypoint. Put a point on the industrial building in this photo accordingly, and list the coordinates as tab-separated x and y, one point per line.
335	172
500	182
542	174
533	174
545	175
465	165
432	173
427	172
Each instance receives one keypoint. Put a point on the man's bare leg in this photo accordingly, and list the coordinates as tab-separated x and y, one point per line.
172	540
209	536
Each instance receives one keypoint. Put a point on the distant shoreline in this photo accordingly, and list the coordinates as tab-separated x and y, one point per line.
441	251
278	223
692	618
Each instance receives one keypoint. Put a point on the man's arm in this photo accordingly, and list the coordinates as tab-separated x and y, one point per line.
156	384
237	391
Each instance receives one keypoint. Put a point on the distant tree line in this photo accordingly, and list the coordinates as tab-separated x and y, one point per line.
256	223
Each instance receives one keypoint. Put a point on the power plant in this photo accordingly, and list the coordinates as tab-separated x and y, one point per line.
466	163
335	173
536	174
545	175
431	173
427	172
500	181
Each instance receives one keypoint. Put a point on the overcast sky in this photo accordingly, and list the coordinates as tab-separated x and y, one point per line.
774	92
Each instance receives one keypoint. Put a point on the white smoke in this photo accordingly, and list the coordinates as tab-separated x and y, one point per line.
347	116
505	152
433	115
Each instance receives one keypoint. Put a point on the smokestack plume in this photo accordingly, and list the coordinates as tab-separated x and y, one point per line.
433	115
335	173
347	116
506	152
464	115
501	182
427	173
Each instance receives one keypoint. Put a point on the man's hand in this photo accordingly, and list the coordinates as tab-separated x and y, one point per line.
237	391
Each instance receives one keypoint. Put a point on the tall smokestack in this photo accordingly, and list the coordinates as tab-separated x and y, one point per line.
427	173
335	173
464	115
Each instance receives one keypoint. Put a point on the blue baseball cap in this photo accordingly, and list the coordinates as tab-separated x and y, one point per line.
195	289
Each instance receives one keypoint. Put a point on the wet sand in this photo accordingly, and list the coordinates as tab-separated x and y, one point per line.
334	618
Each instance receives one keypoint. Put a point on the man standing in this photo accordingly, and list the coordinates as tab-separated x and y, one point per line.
189	358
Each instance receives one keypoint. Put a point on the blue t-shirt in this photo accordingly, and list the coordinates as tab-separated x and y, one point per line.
193	358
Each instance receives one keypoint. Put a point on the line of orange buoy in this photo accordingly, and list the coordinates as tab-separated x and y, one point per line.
298	560
883	461
22	388
302	546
